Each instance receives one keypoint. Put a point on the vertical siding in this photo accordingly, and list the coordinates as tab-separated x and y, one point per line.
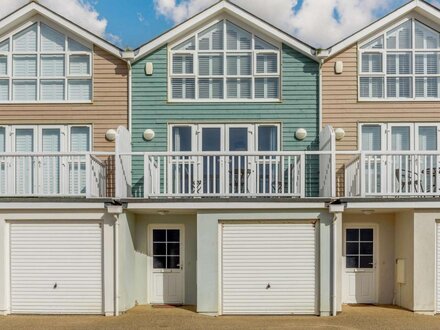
341	107
109	108
298	108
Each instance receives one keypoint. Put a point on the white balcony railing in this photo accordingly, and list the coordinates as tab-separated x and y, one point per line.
218	174
52	174
388	174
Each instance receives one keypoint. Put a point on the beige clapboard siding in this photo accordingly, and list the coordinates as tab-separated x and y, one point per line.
109	108
341	108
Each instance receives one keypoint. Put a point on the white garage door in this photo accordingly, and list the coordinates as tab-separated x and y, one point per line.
269	268
56	268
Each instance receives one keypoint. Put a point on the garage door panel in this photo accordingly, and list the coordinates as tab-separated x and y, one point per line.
281	255
56	267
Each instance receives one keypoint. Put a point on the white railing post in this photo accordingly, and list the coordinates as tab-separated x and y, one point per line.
303	175
362	172
147	173
88	175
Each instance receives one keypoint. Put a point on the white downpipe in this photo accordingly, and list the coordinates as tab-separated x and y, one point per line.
334	265
130	73
116	246
320	95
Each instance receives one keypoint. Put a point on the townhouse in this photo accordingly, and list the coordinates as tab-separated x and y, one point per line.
380	92
224	164
61	89
225	171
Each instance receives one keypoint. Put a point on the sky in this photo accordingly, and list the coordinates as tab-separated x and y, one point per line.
130	23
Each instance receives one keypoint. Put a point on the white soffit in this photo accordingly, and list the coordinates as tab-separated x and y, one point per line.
418	6
26	12
225	7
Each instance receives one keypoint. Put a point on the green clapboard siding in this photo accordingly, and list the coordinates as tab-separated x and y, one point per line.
298	108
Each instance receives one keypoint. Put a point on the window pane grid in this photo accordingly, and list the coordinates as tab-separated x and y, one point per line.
410	60
35	65
229	72
359	248
166	248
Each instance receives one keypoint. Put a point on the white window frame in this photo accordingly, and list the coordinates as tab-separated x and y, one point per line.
252	52
38	53
386	142
64	129
196	130
384	51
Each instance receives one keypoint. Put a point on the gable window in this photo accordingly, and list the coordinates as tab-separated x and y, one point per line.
403	63
40	64
224	62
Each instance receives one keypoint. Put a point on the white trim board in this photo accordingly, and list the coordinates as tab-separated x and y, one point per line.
420	6
33	8
235	11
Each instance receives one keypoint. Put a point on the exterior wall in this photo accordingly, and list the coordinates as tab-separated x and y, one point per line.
341	108
404	245
424	260
208	256
385	261
109	108
126	253
298	108
77	215
141	267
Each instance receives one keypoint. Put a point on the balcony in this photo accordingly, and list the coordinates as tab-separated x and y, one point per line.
393	174
217	174
53	174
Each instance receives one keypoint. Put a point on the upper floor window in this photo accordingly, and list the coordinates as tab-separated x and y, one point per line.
401	63
225	62
40	64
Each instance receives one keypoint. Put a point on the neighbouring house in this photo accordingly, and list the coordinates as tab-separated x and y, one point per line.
381	86
225	211
61	89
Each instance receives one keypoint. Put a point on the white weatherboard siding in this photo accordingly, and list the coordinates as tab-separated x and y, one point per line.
56	268
269	268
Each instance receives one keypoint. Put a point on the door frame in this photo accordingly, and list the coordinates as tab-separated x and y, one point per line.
150	228
376	252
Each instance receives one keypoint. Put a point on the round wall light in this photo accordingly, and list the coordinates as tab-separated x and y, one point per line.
149	134
110	135
300	134
339	134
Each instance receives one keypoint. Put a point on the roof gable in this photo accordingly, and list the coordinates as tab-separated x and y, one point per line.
32	9
226	8
419	7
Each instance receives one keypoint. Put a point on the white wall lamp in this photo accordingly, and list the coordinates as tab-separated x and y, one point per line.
149	68
110	135
339	134
149	134
300	134
339	67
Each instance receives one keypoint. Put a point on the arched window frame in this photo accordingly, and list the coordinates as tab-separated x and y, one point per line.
383	75
224	52
86	78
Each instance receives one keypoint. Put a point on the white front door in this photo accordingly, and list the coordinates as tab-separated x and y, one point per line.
359	265
167	273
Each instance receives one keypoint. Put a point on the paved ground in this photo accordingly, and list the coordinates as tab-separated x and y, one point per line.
146	317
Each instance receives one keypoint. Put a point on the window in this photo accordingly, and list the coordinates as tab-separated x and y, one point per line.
166	248
401	64
40	64
224	62
359	248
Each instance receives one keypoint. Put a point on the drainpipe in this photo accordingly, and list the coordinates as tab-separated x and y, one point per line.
321	62
128	56
336	208
116	209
